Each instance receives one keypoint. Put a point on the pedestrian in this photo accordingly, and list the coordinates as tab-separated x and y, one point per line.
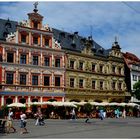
23	123
39	117
124	113
101	114
10	121
73	117
118	113
88	117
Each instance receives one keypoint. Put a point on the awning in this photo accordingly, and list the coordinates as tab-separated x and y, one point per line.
46	94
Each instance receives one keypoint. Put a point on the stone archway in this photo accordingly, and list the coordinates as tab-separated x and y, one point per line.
75	100
34	100
52	100
9	101
22	100
98	100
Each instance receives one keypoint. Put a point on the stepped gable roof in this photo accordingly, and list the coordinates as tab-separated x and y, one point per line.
74	42
7	27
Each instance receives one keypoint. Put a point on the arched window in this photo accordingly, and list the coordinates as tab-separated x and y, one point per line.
52	100
98	100
34	100
22	100
75	100
9	101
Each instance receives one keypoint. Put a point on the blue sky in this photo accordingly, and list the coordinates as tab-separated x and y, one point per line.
106	19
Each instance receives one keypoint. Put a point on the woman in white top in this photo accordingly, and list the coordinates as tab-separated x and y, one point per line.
23	123
10	121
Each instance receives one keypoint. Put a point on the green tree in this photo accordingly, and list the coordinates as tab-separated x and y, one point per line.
137	90
88	108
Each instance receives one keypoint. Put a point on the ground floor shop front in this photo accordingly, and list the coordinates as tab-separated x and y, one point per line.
25	98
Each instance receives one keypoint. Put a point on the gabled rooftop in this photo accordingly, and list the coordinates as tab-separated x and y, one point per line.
68	41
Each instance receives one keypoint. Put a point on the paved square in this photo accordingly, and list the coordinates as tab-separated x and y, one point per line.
108	128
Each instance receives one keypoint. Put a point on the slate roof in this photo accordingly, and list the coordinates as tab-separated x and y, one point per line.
68	41
74	42
7	27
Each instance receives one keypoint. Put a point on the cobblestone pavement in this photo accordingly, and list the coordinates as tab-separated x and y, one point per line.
108	128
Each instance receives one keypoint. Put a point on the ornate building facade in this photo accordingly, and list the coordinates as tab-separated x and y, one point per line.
32	64
95	74
39	63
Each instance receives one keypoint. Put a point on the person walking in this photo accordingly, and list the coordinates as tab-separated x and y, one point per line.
101	114
23	123
124	113
88	117
73	117
39	117
10	121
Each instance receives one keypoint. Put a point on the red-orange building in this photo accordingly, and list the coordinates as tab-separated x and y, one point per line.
32	64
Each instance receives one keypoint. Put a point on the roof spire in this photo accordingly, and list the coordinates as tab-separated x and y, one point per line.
116	42
115	38
35	7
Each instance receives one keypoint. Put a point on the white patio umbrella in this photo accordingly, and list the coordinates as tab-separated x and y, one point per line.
80	103
122	104
35	103
47	103
132	104
70	104
94	103
104	103
113	103
63	104
16	105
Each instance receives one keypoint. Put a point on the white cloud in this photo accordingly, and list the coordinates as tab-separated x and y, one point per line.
107	19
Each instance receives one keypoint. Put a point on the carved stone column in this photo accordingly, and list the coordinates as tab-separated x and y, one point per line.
16	99
2	100
63	61
17	57
4	55
53	60
17	36
30	58
3	75
41	40
30	38
52	79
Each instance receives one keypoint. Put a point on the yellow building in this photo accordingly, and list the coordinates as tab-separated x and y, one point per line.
95	74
